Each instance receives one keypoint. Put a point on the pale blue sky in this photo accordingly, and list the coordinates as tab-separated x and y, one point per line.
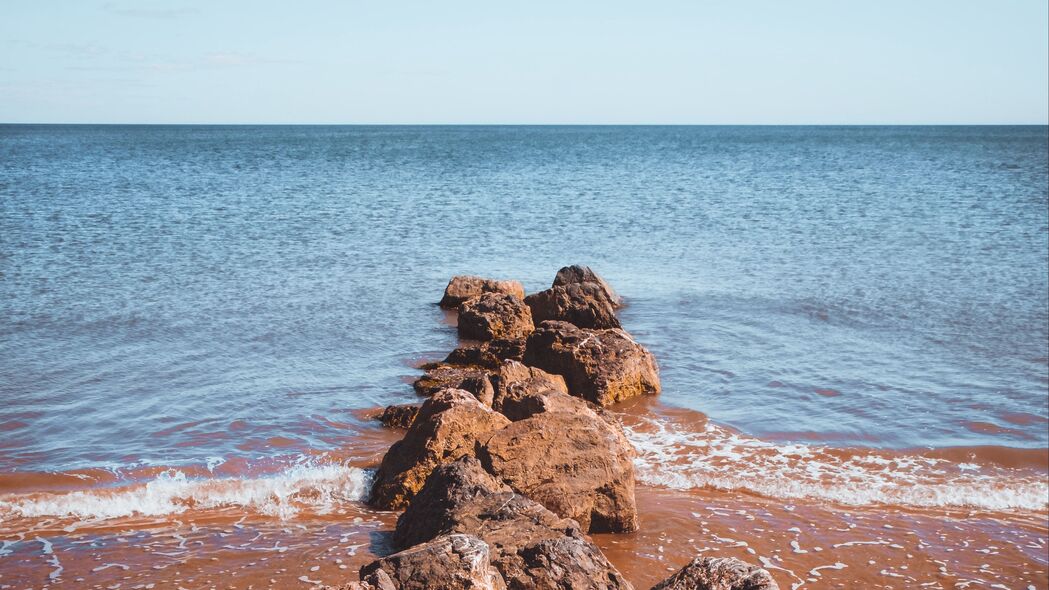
393	61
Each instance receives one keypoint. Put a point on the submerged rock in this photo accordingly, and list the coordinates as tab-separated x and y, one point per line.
493	316
586	305
583	274
463	287
718	573
450	562
489	354
575	464
601	366
399	416
530	546
448	426
440	376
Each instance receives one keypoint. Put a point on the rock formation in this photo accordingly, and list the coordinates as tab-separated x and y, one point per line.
464	287
493	316
586	305
718	573
601	366
583	274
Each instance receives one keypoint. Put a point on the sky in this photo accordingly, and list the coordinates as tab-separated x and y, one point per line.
535	62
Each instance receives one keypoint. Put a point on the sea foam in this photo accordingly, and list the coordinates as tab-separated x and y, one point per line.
680	457
320	488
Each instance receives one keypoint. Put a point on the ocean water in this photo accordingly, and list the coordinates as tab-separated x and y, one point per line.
865	305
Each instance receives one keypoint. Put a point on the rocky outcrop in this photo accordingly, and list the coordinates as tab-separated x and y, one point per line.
440	376
489	354
493	316
464	287
718	573
575	464
399	416
601	366
531	547
448	426
583	274
450	562
586	305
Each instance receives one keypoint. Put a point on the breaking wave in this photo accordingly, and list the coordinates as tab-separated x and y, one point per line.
710	456
319	488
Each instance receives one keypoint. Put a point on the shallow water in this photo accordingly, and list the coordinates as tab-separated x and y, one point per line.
193	317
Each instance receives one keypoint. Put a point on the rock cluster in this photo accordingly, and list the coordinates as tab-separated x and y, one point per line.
512	460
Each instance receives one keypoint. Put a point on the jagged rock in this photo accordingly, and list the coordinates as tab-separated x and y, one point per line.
521	391
448	426
583	274
601	366
464	287
586	305
718	573
489	354
440	376
495	315
531	546
575	464
450	562
399	416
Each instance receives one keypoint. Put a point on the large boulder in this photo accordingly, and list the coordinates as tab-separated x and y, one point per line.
586	305
489	354
493	316
441	376
448	426
718	573
515	383
583	274
601	366
531	546
451	562
463	287
575	464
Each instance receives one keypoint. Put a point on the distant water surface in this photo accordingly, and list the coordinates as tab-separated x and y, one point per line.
192	295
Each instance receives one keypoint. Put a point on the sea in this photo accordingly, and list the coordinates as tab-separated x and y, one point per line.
197	323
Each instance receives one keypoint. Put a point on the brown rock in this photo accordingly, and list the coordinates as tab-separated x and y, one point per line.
495	315
584	304
450	562
464	287
583	274
521	391
440	376
575	464
489	354
601	366
718	573
400	416
447	427
531	546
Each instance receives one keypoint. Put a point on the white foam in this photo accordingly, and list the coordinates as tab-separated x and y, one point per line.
671	456
317	487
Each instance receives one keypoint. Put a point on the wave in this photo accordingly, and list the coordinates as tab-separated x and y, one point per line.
694	456
320	488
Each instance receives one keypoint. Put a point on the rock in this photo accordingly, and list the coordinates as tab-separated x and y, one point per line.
400	416
575	464
450	562
583	274
440	376
718	573
489	354
586	305
447	427
601	366
521	391
463	287
495	315
531	546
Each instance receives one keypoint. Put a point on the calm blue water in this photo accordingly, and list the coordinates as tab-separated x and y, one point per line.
169	294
